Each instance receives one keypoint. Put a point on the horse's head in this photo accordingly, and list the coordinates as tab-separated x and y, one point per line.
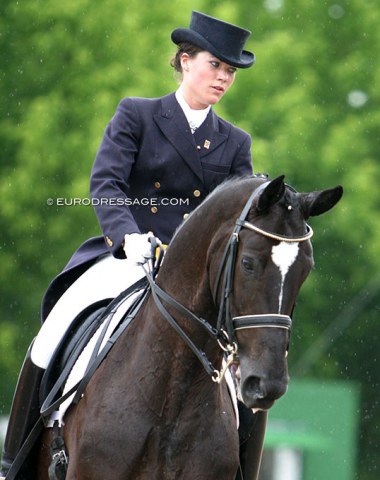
256	282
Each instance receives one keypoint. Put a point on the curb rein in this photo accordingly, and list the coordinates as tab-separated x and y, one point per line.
227	325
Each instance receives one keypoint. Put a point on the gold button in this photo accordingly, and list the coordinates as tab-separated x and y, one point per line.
109	241
154	209
185	215
197	193
157	184
198	147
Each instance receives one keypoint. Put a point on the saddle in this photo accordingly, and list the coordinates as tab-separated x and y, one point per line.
102	323
82	329
84	347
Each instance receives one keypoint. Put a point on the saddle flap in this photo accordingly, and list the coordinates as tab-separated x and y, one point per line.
77	359
73	342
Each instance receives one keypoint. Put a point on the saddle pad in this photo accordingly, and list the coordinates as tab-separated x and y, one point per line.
80	367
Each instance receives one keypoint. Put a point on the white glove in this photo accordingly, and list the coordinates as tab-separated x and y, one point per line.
137	247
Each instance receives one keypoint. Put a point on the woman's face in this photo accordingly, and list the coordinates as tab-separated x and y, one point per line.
205	79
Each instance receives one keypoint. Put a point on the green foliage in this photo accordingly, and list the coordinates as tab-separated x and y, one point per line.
311	103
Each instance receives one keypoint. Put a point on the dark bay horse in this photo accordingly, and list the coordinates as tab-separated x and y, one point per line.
151	411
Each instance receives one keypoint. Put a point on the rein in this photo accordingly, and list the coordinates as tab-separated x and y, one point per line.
158	296
227	325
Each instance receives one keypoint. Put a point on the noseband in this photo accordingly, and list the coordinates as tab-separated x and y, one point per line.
227	325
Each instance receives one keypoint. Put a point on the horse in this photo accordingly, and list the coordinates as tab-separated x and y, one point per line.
157	407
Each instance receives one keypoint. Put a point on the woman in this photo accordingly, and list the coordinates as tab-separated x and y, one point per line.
158	160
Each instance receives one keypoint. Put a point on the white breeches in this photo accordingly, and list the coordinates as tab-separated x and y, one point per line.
105	279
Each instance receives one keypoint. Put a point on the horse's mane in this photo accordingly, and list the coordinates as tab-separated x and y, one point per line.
232	184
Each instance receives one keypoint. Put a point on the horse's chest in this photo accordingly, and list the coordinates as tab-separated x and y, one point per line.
201	446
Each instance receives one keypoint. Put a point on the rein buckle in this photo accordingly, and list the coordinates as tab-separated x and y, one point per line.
217	377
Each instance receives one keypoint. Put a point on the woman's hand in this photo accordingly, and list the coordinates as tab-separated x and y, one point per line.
137	247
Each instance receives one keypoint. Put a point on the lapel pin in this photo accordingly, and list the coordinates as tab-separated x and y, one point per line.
207	144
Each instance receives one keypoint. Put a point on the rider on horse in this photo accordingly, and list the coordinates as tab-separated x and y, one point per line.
158	160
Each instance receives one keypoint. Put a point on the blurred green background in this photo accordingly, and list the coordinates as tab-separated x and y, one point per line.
311	104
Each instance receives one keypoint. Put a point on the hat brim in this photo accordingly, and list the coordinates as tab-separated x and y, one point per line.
179	35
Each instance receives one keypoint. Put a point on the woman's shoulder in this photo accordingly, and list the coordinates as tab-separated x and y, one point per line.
145	102
229	128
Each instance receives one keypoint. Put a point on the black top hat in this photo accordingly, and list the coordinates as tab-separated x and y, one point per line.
224	40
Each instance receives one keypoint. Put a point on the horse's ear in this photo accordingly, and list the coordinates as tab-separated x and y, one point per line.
272	193
316	203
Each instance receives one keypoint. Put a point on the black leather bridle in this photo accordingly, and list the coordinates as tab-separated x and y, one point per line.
224	333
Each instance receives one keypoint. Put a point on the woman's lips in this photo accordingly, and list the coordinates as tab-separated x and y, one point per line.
218	89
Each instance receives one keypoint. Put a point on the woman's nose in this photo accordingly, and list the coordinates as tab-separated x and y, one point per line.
223	75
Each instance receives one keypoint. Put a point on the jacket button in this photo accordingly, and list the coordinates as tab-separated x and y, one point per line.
154	209
185	215
157	184
197	193
109	241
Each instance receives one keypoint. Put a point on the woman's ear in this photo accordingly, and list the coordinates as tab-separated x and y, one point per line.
185	62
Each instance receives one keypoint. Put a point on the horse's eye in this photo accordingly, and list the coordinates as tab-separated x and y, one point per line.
248	264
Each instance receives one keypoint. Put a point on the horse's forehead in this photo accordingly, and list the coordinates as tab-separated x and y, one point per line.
291	202
284	255
292	197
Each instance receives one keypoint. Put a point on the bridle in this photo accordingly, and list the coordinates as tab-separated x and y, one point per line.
225	331
228	266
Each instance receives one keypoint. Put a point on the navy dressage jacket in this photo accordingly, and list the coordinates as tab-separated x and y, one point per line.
150	172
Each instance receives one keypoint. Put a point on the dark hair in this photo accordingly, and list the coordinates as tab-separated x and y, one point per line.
184	47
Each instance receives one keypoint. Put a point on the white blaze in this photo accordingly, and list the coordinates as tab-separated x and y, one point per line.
283	256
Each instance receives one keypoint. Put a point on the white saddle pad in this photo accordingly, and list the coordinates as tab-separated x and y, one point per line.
104	280
79	369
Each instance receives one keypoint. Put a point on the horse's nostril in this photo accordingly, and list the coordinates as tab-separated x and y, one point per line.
252	387
259	392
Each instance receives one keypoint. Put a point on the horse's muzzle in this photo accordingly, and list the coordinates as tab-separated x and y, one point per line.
259	393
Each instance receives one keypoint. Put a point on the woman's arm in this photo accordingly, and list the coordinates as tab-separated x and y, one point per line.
109	183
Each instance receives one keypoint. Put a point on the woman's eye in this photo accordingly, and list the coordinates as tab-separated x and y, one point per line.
214	64
248	264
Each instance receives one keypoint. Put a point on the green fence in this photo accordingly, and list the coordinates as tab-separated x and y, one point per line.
312	432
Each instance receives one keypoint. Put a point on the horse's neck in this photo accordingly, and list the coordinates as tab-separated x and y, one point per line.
164	369
184	276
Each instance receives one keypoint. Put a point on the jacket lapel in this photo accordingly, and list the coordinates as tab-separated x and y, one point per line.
207	137
173	124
